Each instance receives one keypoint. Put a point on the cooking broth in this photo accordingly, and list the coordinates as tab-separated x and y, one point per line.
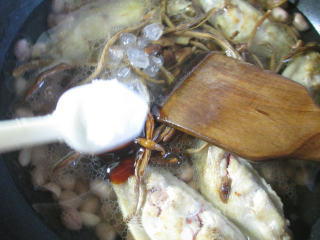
297	183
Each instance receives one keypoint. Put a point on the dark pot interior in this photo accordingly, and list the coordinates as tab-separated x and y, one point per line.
18	220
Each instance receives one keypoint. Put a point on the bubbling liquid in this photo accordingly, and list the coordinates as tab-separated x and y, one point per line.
91	177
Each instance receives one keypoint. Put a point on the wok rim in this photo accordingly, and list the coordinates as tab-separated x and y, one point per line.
15	211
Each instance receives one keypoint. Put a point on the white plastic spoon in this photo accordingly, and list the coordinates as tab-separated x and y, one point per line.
91	118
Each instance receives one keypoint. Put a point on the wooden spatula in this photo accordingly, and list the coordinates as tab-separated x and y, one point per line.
254	113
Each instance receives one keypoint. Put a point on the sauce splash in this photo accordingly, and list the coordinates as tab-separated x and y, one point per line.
123	171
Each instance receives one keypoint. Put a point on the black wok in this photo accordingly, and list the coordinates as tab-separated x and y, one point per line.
18	220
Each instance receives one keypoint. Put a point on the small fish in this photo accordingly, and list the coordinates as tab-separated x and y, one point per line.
236	189
171	210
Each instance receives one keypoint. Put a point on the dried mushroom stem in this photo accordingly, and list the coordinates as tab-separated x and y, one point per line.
65	161
151	143
167	74
167	20
294	34
298	44
157	132
276	3
204	146
144	156
165	42
223	43
257	25
162	161
166	135
56	69
29	66
142	74
164	5
199	45
272	65
141	197
272	61
181	60
193	24
111	41
257	60
298	50
142	163
205	18
187	52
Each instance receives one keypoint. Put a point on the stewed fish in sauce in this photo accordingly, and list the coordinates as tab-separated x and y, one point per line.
165	184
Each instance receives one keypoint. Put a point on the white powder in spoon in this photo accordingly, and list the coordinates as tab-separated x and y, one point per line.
101	116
